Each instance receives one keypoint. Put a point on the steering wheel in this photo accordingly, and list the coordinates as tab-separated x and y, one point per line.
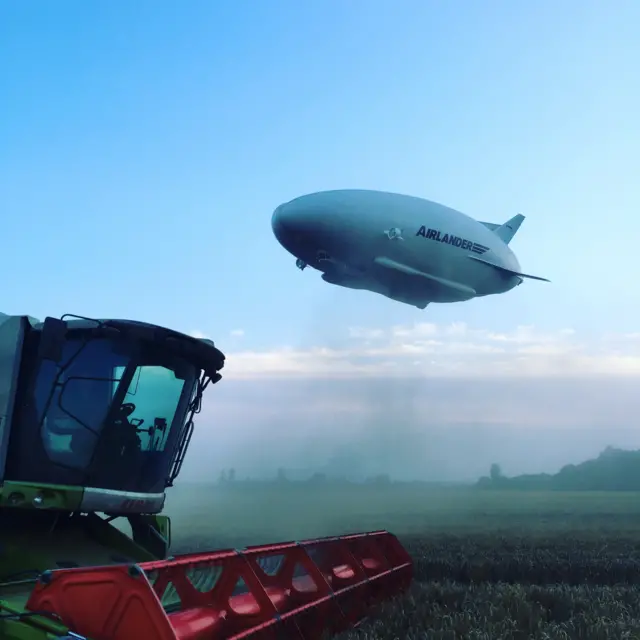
126	409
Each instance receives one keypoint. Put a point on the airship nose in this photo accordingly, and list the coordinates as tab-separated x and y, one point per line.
303	225
292	224
283	224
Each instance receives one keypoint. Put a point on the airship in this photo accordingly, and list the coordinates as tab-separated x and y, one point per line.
409	249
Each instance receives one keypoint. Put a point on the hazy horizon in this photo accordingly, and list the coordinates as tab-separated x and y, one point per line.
413	429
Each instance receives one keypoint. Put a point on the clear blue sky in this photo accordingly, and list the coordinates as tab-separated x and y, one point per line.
144	146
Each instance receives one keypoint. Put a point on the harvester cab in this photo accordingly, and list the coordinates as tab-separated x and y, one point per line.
95	420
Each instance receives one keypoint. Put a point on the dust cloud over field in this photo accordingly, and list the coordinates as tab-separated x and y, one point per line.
409	428
209	516
267	513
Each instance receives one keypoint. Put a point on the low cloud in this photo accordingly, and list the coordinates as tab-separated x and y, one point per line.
234	333
429	350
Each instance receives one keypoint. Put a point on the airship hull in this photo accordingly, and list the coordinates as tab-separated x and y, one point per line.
408	249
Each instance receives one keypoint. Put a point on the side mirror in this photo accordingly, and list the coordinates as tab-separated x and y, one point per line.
52	339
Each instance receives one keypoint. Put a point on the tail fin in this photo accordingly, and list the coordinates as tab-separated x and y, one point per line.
507	230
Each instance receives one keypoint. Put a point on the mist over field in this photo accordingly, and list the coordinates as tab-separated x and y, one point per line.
433	429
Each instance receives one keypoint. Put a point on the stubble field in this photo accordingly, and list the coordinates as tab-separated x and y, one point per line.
494	565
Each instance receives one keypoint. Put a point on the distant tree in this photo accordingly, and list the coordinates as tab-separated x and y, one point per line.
495	472
613	470
382	479
281	475
611	452
231	476
318	478
223	477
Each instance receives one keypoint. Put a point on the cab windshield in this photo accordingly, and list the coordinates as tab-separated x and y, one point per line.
112	417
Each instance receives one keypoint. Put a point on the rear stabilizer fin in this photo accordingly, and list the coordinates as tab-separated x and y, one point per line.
509	229
509	271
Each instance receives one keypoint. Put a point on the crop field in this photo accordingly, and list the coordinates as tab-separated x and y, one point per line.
488	564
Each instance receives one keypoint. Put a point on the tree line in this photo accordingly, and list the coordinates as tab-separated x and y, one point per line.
613	470
229	477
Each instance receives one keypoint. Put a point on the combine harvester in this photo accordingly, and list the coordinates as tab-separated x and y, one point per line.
95	420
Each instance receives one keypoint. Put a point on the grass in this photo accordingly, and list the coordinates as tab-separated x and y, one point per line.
495	565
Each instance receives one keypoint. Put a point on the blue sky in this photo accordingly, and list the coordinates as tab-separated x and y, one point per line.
144	146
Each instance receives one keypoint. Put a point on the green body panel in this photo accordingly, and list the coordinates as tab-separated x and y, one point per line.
23	494
18	628
55	535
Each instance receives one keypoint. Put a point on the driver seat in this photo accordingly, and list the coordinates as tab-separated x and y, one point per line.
116	462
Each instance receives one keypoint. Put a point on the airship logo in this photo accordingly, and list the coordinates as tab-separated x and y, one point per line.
456	241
